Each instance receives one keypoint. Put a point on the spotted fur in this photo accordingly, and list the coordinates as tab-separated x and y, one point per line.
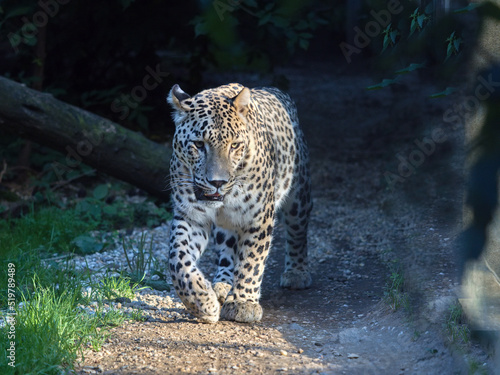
239	156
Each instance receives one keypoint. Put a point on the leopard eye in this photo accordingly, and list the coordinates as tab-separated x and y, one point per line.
199	144
235	145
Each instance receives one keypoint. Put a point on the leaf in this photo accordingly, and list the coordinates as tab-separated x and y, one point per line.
410	68
456	44
281	22
304	44
302	25
101	192
269	7
393	35
387	30
20	11
87	245
413	27
264	19
386	42
200	29
126	3
449	51
446	92
421	20
468	8
386	82
110	210
95	211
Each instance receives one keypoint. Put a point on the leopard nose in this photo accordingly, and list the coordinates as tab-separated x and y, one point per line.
217	183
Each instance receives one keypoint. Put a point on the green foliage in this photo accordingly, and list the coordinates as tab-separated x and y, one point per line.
468	8
52	325
386	82
416	35
453	45
390	36
47	231
456	327
112	287
418	21
109	61
394	293
270	23
111	211
445	92
143	261
51	330
138	316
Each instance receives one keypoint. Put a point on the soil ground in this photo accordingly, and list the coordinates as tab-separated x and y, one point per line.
362	229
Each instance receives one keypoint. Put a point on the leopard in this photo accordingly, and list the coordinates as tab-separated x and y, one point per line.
239	164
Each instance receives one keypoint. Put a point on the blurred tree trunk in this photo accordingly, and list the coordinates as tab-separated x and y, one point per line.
84	137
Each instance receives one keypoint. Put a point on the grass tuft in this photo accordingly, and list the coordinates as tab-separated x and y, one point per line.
394	293
52	324
456	325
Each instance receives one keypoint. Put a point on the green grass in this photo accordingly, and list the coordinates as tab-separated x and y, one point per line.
394	293
51	327
32	240
111	288
48	333
457	329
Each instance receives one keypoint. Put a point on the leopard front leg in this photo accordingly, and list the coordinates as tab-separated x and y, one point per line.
252	252
187	242
226	244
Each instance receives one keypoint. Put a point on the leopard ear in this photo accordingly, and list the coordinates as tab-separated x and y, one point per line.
177	99
242	101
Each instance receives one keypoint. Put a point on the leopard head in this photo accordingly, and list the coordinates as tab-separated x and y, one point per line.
211	139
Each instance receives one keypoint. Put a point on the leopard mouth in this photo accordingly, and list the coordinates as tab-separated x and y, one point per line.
201	195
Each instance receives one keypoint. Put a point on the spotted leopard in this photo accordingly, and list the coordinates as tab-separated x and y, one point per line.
238	156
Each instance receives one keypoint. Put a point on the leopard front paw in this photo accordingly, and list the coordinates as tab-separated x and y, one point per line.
295	279
241	311
221	291
204	306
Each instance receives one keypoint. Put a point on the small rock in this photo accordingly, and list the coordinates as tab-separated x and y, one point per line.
296	327
283	353
300	351
353	356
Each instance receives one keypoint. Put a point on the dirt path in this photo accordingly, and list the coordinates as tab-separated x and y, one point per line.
359	228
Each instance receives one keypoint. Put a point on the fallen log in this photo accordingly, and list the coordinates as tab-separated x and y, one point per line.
84	137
